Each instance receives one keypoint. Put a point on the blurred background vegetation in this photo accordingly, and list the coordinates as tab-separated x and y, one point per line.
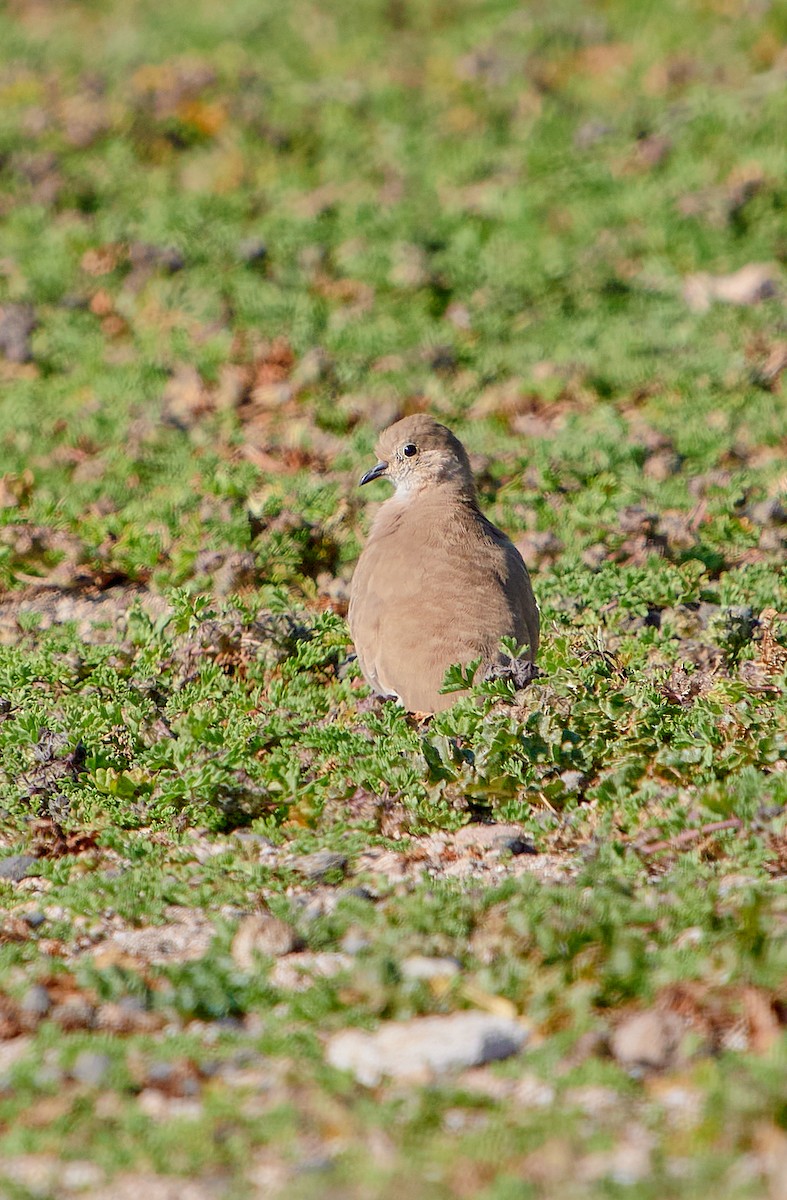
231	235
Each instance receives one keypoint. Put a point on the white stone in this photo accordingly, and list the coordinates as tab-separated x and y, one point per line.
419	1049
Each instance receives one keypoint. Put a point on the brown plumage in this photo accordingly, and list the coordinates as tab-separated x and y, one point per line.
437	583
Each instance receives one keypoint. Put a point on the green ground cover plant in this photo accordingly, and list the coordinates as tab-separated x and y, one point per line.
235	242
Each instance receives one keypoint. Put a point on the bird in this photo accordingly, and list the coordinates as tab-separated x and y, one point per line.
436	582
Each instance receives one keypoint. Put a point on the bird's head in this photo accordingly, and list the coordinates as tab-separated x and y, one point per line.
418	454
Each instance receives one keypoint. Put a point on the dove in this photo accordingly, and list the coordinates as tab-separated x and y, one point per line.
436	583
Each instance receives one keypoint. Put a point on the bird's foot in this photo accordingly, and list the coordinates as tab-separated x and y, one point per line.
521	671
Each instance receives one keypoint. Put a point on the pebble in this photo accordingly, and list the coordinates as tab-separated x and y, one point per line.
17	866
488	837
79	1176
186	939
10	1054
572	780
158	1107
91	1068
264	935
73	1014
626	1165
36	1001
48	1077
35	885
769	512
419	966
297	972
521	845
319	866
419	1049
126	1016
252	250
532	1092
683	1103
355	941
647	1040
35	918
592	1099
46	1174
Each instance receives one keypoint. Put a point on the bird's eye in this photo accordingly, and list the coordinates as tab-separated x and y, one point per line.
409	450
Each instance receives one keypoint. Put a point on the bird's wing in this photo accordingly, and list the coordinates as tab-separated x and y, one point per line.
517	587
365	617
520	591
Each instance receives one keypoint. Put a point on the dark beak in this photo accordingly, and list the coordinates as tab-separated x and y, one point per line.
376	471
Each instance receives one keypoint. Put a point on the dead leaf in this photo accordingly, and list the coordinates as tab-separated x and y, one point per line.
185	398
603	59
763	1022
768	362
671	75
166	86
55	761
101	304
12	1019
728	1018
102	260
51	841
206	118
684	688
759	673
15	490
233	386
